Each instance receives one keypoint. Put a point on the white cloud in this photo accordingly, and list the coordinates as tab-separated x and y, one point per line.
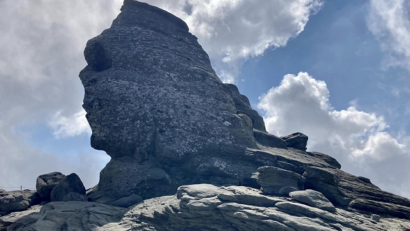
71	126
389	21
233	30
41	56
359	140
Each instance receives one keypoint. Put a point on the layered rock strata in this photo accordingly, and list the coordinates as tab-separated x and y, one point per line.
206	207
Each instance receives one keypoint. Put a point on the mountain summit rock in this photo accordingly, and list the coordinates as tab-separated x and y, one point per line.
188	152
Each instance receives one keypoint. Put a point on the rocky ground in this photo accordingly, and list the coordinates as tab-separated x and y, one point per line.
205	207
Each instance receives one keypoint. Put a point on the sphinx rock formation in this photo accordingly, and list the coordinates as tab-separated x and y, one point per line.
189	153
156	106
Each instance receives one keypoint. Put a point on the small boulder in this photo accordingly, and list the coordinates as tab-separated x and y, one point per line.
128	201
314	199
296	140
18	200
375	217
70	183
72	196
286	190
273	179
268	140
328	159
46	183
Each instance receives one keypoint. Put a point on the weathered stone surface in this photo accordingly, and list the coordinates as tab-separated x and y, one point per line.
26	216
153	96
70	184
45	183
18	200
127	201
314	199
296	140
381	208
375	217
248	196
286	190
201	207
269	140
73	215
73	196
328	159
244	107
273	179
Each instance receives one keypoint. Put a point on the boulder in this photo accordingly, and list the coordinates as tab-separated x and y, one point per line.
127	201
45	184
73	196
269	140
18	200
296	140
273	179
328	159
286	190
375	217
314	199
70	184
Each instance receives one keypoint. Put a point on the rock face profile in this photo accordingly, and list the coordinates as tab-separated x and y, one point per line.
188	152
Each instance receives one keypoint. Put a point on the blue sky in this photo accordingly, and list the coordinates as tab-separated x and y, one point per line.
336	70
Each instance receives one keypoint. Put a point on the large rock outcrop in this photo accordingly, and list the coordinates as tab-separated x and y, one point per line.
152	95
156	106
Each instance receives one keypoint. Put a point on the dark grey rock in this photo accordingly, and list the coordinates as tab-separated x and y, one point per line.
330	160
381	208
286	190
153	96
296	140
269	140
375	217
273	179
127	201
313	198
70	184
156	106
18	200
244	107
73	196
27	217
367	180
74	215
45	183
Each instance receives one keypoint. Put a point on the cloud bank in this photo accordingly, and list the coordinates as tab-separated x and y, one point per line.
389	21
359	140
232	31
41	56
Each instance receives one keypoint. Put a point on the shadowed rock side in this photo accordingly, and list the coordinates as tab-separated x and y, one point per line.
156	106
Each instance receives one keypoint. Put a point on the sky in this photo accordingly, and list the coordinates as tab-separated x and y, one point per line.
335	70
